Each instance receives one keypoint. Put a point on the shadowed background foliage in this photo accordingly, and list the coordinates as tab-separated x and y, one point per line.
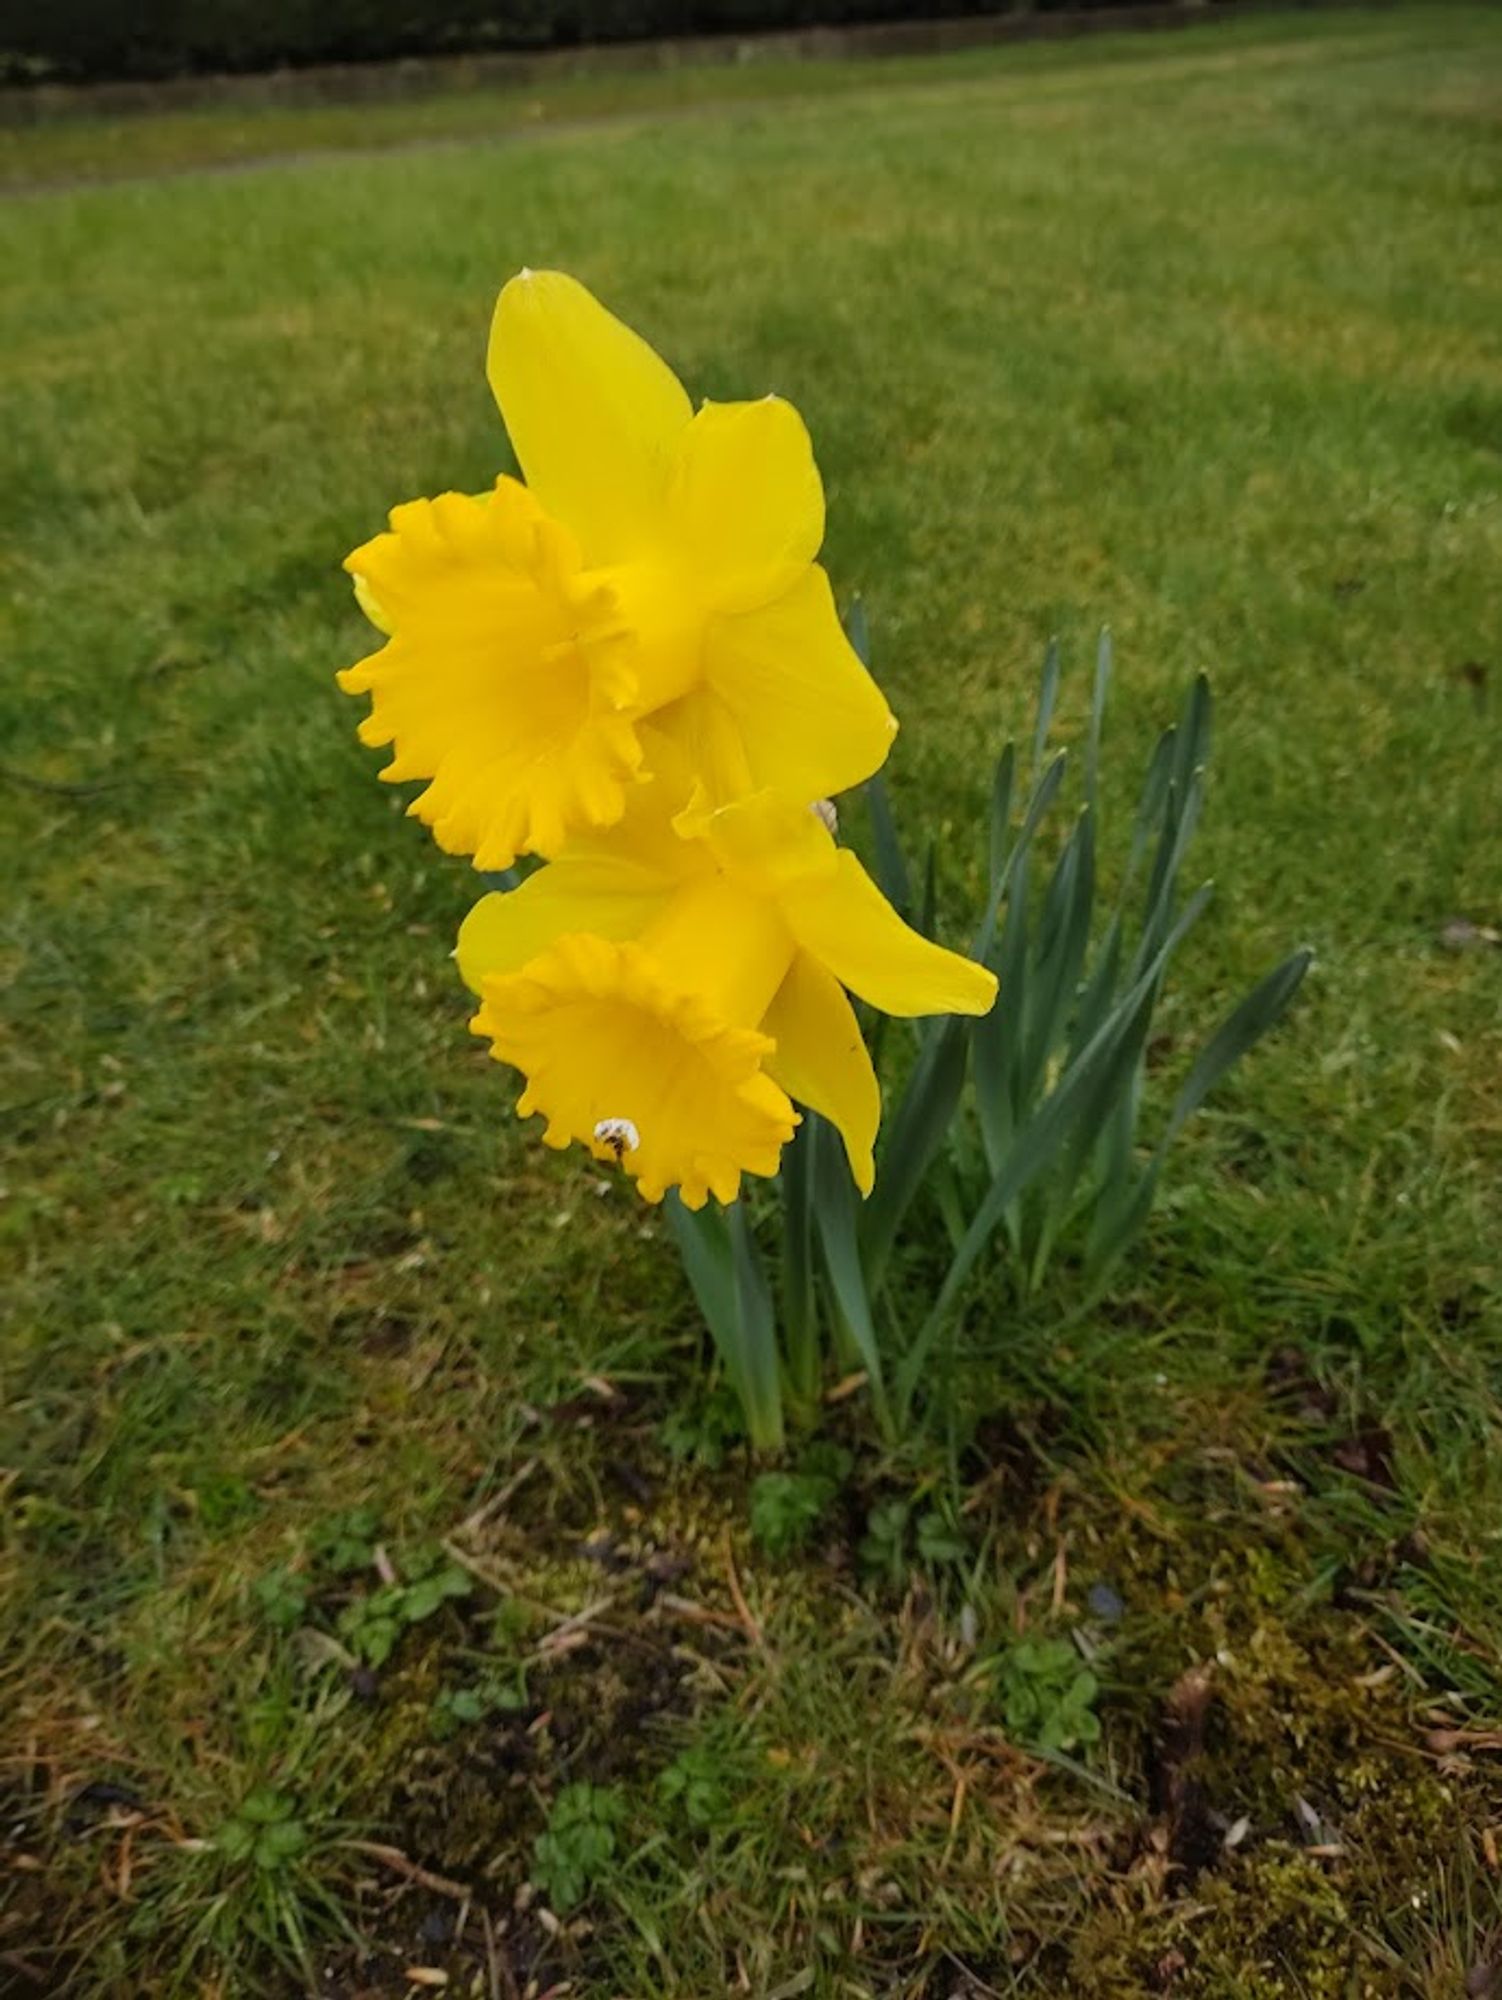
91	40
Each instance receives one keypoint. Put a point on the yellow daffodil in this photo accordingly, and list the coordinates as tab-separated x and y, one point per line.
670	988
658	562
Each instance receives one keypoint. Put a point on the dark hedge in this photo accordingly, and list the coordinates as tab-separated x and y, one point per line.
88	40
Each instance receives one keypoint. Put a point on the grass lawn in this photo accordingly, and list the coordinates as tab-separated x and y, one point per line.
1194	334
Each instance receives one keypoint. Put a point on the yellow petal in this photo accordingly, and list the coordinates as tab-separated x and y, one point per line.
745	504
365	597
504	681
821	1060
612	898
699	735
594	415
767	842
609	1045
811	719
842	919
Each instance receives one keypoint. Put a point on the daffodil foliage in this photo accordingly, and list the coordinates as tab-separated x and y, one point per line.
627	666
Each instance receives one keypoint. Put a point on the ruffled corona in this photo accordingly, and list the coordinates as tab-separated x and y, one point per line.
659	562
595	1026
506	679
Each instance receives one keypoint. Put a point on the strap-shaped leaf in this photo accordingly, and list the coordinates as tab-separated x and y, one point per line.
724	1272
997	1037
1063	937
835	1219
1048	695
858	630
1260	1011
1098	694
1043	795
757	1337
1148	820
800	1313
1192	748
1180	818
928	907
1099	988
889	861
915	1134
1002	781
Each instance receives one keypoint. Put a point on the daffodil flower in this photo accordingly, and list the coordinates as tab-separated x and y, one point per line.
669	990
658	562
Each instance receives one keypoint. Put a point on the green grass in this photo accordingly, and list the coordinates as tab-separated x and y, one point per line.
1196	335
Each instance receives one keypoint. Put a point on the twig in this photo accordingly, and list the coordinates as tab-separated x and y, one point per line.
497	1502
565	1622
576	1623
700	1614
502	1980
401	1864
752	1630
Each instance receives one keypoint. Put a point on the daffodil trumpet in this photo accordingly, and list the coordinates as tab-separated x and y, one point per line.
658	563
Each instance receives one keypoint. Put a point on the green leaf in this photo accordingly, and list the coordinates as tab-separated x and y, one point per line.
883	1550
265	1806
280	1844
1063	935
1048	695
1097	717
1099	988
1263	1007
835	1219
915	1133
760	1378
1043	795
1149	814
1001	817
579	1843
889	861
724	1272
800	1311
236	1840
928	907
786	1507
997	1037
1192	748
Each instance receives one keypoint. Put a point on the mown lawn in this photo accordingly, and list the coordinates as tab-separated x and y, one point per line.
1195	335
